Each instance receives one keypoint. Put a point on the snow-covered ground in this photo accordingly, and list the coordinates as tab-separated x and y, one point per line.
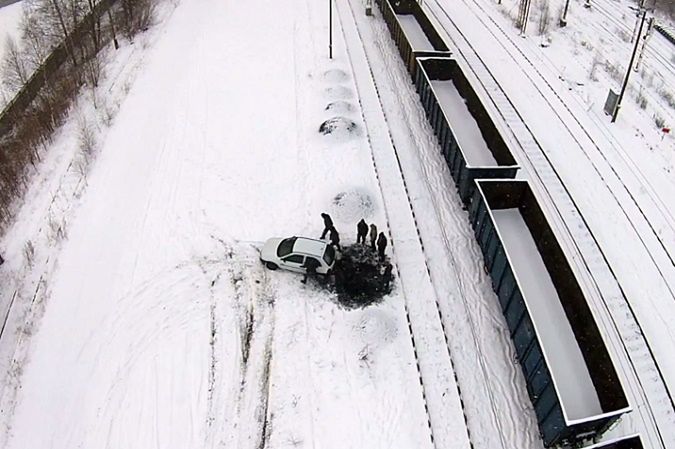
158	326
138	315
10	19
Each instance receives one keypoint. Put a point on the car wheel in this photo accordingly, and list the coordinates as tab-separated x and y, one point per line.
271	266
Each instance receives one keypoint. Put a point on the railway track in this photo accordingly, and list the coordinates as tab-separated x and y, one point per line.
667	217
482	362
539	161
657	61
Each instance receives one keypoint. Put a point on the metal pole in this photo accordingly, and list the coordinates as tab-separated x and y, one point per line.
648	33
628	69
563	19
330	29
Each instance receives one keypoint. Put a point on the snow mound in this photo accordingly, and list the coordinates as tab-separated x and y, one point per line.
338	93
352	205
339	107
335	75
339	127
376	327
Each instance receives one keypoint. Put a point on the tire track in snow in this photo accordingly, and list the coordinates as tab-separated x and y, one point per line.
250	425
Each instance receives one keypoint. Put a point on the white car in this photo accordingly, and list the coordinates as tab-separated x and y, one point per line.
291	254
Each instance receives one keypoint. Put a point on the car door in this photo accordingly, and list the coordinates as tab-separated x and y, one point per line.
320	266
293	262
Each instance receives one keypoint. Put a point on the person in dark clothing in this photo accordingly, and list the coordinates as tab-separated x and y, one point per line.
1	260
381	245
373	236
310	266
386	276
327	224
334	238
361	231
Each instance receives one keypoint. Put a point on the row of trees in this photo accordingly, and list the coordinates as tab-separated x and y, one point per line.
58	53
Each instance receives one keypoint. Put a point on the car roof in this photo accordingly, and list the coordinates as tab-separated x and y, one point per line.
309	246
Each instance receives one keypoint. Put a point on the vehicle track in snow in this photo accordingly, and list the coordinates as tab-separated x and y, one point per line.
248	423
632	332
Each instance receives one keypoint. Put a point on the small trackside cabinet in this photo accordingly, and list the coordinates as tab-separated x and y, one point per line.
570	377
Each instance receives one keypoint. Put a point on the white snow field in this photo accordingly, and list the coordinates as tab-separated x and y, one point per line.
151	323
10	18
160	327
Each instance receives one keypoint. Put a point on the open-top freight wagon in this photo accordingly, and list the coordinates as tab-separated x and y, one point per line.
569	373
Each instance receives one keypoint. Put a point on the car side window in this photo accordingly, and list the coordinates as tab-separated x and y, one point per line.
294	258
316	261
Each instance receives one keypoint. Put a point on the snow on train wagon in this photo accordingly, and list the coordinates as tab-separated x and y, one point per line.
412	32
470	141
630	442
570	377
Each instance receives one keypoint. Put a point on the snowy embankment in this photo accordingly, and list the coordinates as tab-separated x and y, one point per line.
158	326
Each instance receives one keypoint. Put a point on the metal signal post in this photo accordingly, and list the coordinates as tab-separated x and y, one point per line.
630	66
330	29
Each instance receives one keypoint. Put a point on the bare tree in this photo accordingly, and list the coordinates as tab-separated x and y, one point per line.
544	17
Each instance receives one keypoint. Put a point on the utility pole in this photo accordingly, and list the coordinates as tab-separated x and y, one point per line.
330	29
628	69
523	14
563	19
648	33
637	10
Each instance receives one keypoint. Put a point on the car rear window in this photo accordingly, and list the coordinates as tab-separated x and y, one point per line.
286	246
329	254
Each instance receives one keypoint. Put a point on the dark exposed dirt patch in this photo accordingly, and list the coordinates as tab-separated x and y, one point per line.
359	279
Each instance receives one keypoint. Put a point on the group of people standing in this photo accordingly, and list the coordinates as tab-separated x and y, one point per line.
378	242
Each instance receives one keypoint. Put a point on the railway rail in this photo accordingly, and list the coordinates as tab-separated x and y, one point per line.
537	157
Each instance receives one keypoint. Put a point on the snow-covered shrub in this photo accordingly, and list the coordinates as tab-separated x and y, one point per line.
29	253
614	71
623	34
667	95
641	100
544	16
659	121
592	73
